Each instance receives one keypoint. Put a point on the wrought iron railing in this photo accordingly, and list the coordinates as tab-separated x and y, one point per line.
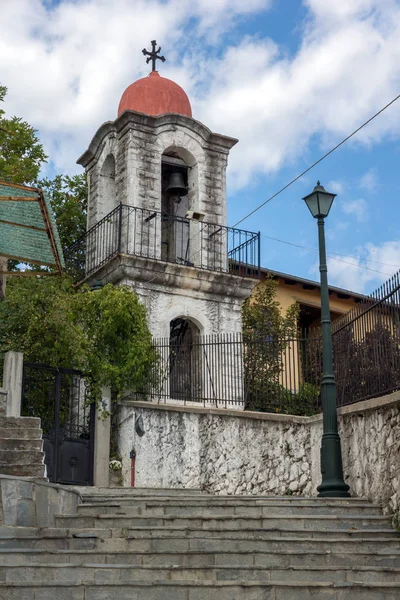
283	374
234	371
151	234
366	344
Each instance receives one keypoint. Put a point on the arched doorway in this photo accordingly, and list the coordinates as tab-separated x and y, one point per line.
185	367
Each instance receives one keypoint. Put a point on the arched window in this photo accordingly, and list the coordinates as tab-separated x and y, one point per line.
185	363
108	194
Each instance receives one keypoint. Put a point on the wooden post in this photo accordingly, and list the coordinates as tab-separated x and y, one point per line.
3	267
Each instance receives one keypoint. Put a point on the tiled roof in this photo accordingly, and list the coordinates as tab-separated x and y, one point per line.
28	230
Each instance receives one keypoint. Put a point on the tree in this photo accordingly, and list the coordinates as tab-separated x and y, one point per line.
21	152
266	334
21	158
104	333
68	199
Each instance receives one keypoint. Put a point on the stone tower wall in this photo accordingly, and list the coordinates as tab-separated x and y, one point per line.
137	143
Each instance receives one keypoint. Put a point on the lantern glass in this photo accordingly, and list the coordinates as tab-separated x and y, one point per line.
319	202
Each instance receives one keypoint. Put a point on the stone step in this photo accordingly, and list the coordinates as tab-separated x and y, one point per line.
21	444
382	558
102	492
19	422
25	433
90	572
173	545
27	534
233	507
28	470
20	457
117	494
315	522
196	590
183	542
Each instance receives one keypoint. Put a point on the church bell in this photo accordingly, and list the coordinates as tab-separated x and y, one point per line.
176	185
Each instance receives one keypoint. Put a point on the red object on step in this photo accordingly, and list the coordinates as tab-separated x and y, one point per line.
133	459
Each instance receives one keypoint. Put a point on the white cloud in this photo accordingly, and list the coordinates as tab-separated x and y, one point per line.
339	77
369	181
340	9
387	253
67	65
365	269
336	187
66	68
358	208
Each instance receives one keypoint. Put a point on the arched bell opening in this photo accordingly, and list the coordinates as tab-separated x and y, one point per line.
175	228
185	362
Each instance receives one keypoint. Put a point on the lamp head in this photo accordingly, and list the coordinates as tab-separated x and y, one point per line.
319	201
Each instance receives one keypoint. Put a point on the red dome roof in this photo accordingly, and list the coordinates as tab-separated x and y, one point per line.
155	95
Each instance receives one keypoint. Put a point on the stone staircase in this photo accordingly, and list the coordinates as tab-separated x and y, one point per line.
21	444
184	545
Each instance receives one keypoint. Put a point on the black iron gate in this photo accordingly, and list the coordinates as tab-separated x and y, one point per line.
59	398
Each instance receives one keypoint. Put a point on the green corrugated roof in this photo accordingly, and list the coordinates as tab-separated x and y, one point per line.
18	239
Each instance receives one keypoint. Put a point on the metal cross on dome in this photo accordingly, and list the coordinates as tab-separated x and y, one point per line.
153	55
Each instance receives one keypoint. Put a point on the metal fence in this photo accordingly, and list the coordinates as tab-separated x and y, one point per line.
151	234
366	345
283	374
234	371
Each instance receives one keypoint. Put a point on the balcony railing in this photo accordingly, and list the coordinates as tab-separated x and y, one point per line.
151	234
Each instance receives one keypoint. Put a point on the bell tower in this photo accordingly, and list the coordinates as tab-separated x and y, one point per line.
157	212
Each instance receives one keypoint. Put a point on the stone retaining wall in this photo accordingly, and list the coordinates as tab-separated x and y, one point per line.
34	503
227	452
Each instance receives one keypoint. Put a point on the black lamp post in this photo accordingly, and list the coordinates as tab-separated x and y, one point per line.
319	202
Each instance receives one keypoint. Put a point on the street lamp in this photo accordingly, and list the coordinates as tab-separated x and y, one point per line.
333	486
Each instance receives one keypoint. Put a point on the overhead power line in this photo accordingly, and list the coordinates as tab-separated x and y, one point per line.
316	162
331	254
334	257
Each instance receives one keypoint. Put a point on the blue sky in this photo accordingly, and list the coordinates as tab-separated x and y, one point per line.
289	78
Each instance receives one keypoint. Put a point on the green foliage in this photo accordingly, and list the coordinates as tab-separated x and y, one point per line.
68	199
267	334
21	152
119	342
21	158
262	315
303	403
102	333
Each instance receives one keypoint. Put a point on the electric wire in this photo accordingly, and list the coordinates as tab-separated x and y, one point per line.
317	162
299	177
334	257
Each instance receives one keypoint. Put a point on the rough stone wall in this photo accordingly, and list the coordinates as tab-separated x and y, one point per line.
211	315
137	143
99	204
371	452
34	503
257	453
219	453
